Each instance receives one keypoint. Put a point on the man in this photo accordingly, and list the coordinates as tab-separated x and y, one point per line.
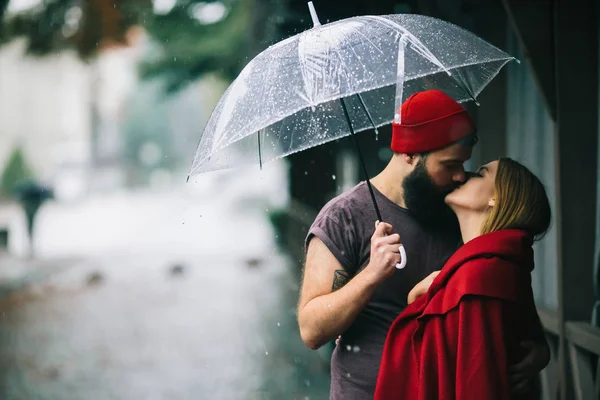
351	286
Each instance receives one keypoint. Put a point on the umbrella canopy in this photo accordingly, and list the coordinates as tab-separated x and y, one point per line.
287	98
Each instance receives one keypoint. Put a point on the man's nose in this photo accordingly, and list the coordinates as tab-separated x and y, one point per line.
460	177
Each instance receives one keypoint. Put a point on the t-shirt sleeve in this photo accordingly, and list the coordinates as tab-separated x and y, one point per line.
335	228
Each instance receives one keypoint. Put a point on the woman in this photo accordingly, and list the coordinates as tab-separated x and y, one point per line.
457	340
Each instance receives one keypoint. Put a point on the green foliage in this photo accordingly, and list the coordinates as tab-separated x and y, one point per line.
190	49
56	25
183	48
15	172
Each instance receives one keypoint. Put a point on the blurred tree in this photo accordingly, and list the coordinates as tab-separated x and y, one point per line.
16	171
193	37
3	7
87	25
197	37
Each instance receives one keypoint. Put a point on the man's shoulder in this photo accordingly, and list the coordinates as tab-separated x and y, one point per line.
351	199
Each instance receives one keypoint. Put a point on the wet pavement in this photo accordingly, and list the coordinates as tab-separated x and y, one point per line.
192	301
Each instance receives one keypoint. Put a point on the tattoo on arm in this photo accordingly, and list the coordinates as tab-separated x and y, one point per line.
340	278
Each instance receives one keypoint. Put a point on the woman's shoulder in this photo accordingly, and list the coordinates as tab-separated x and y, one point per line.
486	277
490	276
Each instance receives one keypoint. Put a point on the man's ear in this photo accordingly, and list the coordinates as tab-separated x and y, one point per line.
411	159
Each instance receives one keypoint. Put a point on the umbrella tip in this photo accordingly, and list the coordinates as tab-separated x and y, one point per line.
313	14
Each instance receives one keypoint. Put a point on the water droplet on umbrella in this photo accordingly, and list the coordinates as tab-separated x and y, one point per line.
333	177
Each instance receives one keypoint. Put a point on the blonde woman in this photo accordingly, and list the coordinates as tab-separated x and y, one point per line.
457	340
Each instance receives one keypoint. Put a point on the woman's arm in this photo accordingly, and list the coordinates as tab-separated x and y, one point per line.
421	288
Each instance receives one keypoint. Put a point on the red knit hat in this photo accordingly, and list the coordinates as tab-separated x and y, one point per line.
430	120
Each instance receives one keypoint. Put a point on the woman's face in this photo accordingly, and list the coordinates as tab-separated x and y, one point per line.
477	194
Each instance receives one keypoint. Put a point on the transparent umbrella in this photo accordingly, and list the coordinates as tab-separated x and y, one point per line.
336	79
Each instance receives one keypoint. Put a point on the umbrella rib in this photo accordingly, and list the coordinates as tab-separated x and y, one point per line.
259	154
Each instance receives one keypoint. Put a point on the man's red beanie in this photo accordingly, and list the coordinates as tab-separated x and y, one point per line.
430	120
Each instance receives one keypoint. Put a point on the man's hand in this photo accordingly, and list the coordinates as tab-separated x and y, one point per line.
422	287
525	371
385	252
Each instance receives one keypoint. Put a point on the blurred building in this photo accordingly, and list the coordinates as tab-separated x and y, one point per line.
64	115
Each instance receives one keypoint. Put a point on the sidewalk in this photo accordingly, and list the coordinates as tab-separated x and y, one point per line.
17	273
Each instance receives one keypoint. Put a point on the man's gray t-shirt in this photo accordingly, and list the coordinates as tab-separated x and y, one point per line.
346	225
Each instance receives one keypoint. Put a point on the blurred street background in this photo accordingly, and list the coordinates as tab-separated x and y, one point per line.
136	284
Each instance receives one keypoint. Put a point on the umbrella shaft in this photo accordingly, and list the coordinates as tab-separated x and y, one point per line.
362	160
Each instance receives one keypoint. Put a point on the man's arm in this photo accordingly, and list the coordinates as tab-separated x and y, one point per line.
526	371
329	299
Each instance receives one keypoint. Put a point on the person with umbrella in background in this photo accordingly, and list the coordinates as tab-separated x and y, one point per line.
351	286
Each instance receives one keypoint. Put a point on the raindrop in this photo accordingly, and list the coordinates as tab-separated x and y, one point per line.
356	349
266	353
333	177
305	172
307	382
278	324
376	134
348	375
174	58
349	348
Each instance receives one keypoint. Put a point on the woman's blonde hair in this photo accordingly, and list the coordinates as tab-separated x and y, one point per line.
521	201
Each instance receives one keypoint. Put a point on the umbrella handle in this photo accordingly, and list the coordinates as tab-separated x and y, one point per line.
403	260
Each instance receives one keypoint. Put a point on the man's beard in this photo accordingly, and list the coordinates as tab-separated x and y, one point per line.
425	200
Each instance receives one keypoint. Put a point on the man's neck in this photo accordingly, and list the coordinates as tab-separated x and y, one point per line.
389	183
